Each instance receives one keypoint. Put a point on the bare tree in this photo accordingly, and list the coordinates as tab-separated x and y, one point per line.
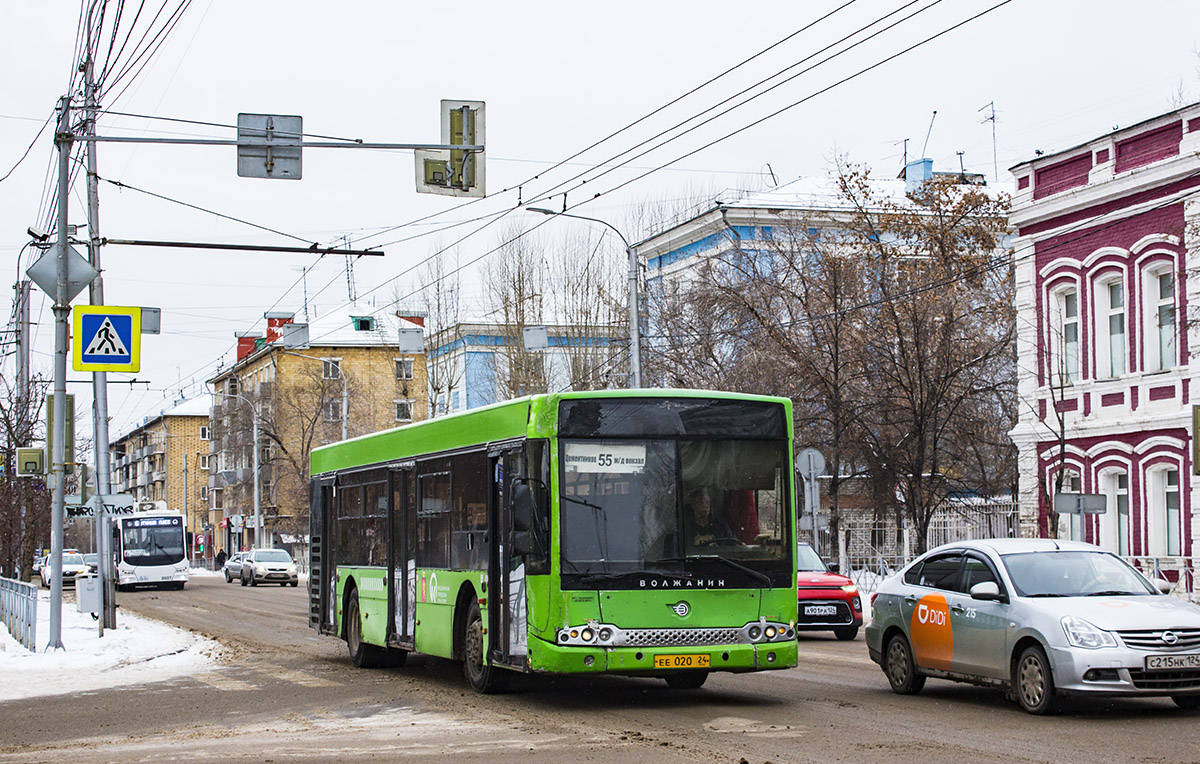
514	287
24	501
441	300
587	302
941	345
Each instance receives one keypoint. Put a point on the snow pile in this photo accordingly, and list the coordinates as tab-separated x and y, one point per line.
139	650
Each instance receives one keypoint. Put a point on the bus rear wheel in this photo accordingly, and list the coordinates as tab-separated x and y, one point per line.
483	678
362	654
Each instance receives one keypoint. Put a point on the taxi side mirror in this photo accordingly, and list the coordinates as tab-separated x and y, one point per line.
988	591
1163	585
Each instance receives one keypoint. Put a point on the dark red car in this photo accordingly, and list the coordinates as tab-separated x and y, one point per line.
826	601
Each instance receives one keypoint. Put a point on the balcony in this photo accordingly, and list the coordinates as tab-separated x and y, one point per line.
158	476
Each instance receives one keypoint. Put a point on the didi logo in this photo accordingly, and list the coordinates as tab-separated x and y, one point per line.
931	634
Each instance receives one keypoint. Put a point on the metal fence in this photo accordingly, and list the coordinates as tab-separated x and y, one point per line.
869	550
18	611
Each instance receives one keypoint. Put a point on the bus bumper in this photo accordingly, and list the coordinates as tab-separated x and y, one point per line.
634	661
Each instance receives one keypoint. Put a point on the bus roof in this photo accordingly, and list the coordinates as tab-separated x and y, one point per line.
530	416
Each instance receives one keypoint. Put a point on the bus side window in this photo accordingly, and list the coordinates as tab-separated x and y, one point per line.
537	478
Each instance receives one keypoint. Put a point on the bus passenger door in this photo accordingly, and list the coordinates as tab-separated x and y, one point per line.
402	557
322	558
507	628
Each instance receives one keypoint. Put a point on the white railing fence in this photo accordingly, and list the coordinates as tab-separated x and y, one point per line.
18	611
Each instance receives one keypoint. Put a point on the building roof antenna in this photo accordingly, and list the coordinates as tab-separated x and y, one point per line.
991	117
927	134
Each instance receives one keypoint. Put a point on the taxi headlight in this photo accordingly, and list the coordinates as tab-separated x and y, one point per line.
291	570
1081	633
262	569
850	589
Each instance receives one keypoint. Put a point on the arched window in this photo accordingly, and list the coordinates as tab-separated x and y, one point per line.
1164	520
1112	348
1070	526
1158	286
1114	523
1064	336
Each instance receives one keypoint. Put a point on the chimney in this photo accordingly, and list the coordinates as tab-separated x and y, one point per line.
916	173
274	321
246	343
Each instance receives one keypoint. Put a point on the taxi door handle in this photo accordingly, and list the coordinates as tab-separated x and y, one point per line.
910	599
957	609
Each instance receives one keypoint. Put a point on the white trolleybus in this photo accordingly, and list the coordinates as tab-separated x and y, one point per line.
149	549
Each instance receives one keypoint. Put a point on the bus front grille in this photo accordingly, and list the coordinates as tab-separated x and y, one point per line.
681	637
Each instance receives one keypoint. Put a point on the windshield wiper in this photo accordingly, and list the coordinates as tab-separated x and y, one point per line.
1111	593
643	572
1048	594
756	575
573	500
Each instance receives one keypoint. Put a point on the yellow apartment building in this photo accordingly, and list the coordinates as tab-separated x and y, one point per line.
346	378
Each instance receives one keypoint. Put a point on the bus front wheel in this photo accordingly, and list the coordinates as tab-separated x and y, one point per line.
686	680
483	678
362	654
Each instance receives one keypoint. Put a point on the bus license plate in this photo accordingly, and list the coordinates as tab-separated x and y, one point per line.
681	661
1168	662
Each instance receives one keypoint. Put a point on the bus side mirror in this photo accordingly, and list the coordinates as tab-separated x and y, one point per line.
522	509
520	543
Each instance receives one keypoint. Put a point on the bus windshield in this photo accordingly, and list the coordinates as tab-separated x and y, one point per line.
152	540
672	507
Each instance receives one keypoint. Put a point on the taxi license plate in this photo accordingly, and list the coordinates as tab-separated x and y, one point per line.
681	661
820	610
1169	662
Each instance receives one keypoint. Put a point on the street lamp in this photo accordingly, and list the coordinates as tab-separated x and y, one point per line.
254	462
635	340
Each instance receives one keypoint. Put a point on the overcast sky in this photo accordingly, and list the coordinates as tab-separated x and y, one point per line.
556	78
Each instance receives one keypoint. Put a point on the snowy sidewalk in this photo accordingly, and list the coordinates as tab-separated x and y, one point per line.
139	650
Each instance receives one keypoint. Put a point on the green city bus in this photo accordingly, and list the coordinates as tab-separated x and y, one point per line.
631	532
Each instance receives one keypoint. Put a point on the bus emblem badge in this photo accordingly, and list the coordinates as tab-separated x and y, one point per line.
681	608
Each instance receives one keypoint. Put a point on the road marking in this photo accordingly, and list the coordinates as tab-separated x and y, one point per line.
222	682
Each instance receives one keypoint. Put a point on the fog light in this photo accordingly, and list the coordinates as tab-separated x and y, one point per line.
856	603
605	635
770	657
755	632
1101	675
589	660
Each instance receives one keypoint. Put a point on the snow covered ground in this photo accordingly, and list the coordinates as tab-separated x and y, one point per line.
138	650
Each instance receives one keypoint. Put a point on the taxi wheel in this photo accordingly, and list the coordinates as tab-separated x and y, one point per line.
1187	702
686	680
901	671
846	633
1034	684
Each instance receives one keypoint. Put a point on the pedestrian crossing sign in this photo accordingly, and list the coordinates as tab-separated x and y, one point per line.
106	338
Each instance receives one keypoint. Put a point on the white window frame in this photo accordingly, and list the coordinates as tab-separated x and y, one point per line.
205	432
204	461
1064	351
1160	342
1112	329
331	368
406	402
404	368
1164	521
203	493
1070	525
333	410
1114	523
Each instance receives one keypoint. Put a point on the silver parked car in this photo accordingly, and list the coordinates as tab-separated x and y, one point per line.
233	566
269	566
1039	618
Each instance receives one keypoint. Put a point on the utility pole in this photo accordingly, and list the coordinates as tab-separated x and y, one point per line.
99	378
63	140
23	407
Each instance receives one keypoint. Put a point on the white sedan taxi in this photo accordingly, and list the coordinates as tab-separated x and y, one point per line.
1037	618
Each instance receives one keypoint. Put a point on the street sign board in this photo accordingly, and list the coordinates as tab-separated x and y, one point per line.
275	150
1080	503
31	462
107	338
44	272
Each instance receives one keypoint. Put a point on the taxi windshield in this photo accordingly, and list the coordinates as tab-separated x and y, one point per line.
807	560
1073	574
